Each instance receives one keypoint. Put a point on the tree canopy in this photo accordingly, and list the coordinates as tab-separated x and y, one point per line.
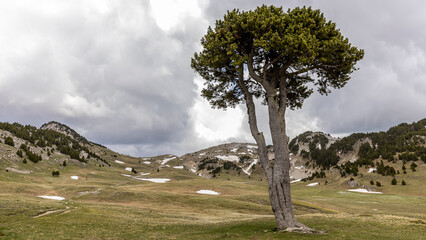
296	47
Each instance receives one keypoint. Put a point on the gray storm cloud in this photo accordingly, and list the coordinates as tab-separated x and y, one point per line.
118	71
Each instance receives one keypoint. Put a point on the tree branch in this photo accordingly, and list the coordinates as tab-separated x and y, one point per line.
258	136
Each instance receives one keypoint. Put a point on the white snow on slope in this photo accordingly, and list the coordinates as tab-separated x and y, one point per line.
202	154
362	190
118	161
234	150
166	160
299	167
246	171
74	177
312	184
52	197
154	180
144	174
231	158
371	170
146	162
209	192
251	146
178	167
297	180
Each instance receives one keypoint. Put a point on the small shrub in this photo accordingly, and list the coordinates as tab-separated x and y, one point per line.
371	182
24	161
64	163
134	171
55	173
393	182
19	153
378	184
9	141
403	182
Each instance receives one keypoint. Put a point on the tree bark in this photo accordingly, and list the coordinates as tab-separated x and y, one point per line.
281	175
262	151
278	175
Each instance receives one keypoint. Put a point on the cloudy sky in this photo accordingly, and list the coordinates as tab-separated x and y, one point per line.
119	72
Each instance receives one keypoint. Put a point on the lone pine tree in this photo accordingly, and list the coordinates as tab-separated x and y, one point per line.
275	56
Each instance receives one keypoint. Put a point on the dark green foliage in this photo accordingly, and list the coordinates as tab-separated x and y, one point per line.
244	158
229	165
413	167
305	137
364	162
385	170
206	161
134	171
302	45
216	171
403	182
346	144
304	154
371	182
378	184
9	141
19	153
64	163
407	156
316	174
294	147
55	173
423	158
347	169
393	182
24	161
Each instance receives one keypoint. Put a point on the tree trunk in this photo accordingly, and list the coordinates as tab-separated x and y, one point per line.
281	175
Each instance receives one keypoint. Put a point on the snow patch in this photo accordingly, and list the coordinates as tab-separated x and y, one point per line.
209	192
166	160
126	175
74	177
299	167
234	150
246	171
154	180
202	154
144	174
118	161
128	169
363	190
371	170
312	184
251	146
146	162
178	167
297	180
52	197
231	158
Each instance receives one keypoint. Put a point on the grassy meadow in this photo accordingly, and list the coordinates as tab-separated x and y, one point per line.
103	204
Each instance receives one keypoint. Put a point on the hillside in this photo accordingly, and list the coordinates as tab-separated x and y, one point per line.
214	193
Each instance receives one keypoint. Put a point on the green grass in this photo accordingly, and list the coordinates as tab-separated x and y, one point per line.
106	205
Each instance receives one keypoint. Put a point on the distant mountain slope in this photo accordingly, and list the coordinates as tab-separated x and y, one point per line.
51	138
404	142
313	154
62	128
